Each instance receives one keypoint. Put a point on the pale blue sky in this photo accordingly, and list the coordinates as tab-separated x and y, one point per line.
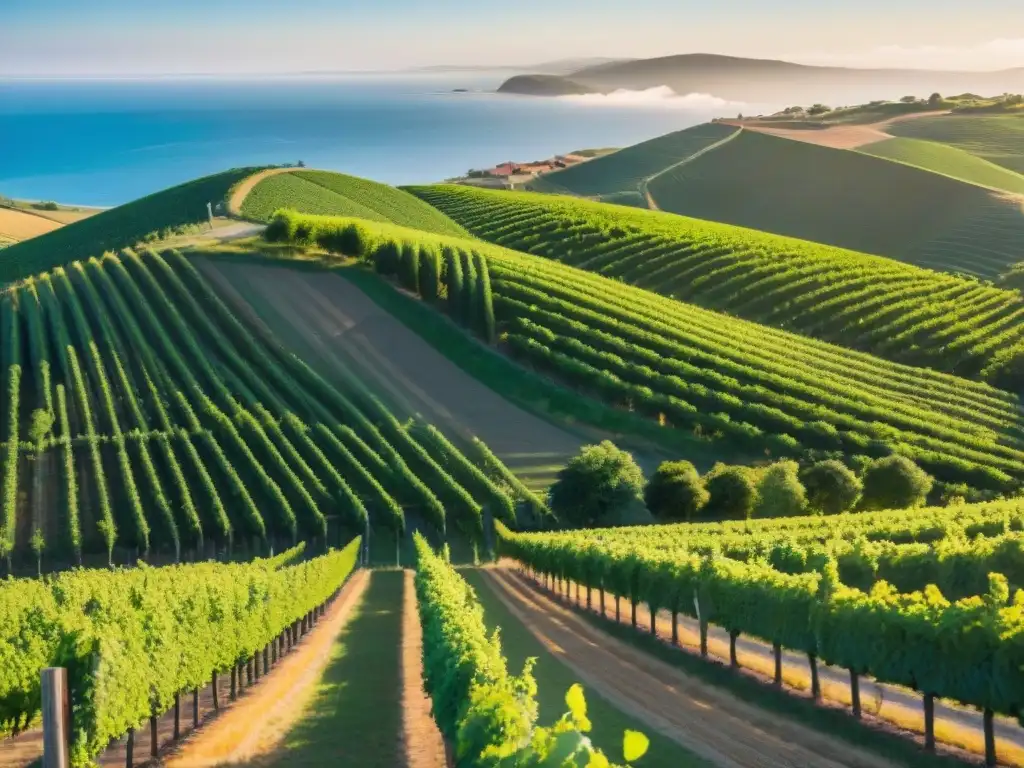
109	37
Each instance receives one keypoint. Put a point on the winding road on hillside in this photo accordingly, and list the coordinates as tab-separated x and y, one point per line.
334	326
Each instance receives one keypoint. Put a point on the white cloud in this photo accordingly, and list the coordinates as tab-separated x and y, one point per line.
1002	53
660	96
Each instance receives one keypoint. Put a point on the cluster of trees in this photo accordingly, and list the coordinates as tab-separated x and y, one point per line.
600	484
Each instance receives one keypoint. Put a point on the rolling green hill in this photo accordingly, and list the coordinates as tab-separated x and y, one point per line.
625	170
179	428
848	199
326	192
160	213
996	138
879	305
701	371
949	161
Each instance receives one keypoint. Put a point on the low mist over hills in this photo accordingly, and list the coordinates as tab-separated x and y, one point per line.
759	80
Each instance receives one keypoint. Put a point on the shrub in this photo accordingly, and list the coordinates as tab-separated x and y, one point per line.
731	492
895	482
430	274
387	259
675	491
409	261
484	301
281	227
46	206
780	492
596	486
831	487
454	283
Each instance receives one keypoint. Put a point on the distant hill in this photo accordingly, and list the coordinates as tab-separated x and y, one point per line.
763	80
848	199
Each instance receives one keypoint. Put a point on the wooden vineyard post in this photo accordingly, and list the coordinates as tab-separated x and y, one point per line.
56	706
988	720
177	716
129	749
248	672
675	627
777	650
812	661
256	664
602	600
154	736
734	662
654	619
234	682
590	600
618	613
929	723
632	602
704	638
855	693
215	692
577	593
195	708
266	659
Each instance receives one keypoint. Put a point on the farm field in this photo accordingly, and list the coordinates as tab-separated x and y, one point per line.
326	192
716	726
241	447
339	330
763	182
625	170
996	138
809	607
16	225
949	161
877	305
163	213
716	376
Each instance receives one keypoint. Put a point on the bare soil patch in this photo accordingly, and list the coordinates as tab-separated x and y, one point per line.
21	225
708	721
421	740
335	327
839	136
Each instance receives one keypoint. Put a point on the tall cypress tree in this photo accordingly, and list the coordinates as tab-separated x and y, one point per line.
454	284
484	300
468	289
430	274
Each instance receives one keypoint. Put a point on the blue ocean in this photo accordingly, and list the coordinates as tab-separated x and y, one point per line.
105	142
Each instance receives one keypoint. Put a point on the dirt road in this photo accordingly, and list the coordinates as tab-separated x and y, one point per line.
954	726
841	136
706	720
239	193
334	326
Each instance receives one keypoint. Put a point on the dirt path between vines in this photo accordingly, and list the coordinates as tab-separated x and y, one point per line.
332	325
706	720
421	740
260	719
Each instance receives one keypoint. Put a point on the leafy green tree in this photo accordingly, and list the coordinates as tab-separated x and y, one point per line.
780	492
484	300
454	283
895	482
908	100
40	424
831	487
819	109
731	492
675	491
596	486
935	100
